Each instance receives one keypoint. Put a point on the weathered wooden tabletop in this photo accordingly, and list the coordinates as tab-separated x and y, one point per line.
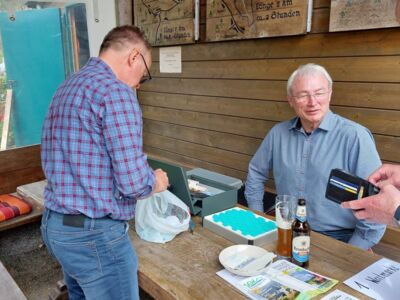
186	267
8	287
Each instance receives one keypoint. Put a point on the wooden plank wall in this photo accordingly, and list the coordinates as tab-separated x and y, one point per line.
217	111
19	166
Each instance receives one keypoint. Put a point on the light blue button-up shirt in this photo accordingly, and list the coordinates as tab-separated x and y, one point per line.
301	166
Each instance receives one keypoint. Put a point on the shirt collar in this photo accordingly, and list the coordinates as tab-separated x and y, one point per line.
295	124
326	124
99	63
328	121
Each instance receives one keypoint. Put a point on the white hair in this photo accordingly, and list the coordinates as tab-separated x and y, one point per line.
308	69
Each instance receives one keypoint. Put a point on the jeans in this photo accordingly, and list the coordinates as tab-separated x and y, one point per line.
97	259
343	235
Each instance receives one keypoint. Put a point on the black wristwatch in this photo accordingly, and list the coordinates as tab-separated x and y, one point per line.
397	214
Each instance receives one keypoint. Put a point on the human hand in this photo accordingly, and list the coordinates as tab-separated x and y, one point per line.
379	208
162	181
386	174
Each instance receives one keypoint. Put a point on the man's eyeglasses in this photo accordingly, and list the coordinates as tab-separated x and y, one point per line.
148	76
305	96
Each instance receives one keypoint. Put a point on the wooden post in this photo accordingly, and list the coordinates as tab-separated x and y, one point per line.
6	121
124	12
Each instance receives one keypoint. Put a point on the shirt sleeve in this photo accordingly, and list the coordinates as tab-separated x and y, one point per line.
363	160
122	130
259	167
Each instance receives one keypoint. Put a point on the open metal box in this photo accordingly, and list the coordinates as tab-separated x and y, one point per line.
220	196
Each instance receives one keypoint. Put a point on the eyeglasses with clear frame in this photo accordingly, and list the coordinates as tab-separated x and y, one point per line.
317	95
148	76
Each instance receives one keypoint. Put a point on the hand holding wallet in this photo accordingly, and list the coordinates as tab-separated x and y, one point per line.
343	186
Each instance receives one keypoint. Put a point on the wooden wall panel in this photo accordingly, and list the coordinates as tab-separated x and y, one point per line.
215	139
270	110
19	158
198	124
321	4
378	42
359	69
320	20
213	155
229	95
192	162
265	110
227	124
19	166
388	147
372	95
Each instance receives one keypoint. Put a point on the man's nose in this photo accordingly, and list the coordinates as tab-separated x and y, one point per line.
311	100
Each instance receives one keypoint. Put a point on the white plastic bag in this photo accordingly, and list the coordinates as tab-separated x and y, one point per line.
160	217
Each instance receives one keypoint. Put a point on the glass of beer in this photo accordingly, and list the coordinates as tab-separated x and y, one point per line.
285	211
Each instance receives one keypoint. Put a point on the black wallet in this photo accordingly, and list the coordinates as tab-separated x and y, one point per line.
343	186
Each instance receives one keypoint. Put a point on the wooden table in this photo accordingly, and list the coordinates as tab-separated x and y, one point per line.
8	287
186	267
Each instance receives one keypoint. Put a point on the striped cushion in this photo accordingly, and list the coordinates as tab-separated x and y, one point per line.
11	206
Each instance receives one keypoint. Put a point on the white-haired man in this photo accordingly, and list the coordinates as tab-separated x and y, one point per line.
302	151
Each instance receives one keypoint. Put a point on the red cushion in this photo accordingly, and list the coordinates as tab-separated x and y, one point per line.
11	206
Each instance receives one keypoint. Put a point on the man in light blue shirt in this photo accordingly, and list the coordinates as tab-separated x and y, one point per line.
301	153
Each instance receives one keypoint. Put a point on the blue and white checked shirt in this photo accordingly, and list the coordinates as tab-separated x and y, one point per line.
92	144
301	166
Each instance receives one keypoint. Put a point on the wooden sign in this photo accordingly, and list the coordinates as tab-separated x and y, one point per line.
166	22
231	19
364	14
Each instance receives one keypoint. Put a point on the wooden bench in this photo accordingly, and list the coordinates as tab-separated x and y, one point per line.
8	287
32	193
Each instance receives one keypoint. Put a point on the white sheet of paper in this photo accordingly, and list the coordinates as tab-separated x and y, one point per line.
171	59
339	295
379	281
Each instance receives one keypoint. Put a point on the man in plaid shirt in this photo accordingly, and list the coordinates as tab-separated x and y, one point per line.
93	160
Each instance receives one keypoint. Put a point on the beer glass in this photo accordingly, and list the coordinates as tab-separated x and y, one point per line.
285	211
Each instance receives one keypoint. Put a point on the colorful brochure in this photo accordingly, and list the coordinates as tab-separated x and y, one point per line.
281	280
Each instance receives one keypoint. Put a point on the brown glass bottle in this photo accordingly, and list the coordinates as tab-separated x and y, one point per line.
301	236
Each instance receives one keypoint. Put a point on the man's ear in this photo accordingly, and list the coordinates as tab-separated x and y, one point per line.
289	99
330	95
133	56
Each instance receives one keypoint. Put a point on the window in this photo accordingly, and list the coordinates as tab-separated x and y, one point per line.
42	43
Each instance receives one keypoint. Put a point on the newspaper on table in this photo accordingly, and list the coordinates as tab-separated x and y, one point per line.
281	280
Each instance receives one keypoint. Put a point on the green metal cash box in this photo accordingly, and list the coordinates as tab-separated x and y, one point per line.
218	196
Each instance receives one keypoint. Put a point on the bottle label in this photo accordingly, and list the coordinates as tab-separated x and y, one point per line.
301	213
301	248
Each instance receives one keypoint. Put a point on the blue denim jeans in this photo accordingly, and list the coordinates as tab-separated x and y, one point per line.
343	235
97	259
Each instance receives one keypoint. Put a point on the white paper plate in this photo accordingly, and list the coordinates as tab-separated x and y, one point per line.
245	260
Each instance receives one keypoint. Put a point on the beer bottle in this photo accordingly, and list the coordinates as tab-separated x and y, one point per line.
301	236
